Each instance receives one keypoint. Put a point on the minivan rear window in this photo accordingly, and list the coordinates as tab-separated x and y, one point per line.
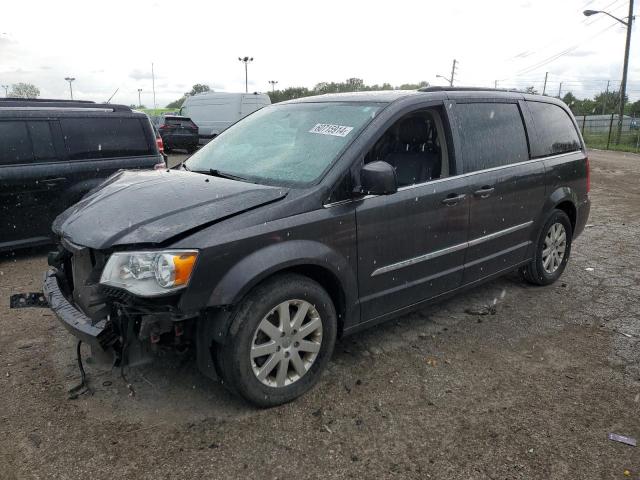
492	135
88	138
556	132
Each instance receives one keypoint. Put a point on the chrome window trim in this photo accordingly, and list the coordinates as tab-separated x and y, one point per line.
454	248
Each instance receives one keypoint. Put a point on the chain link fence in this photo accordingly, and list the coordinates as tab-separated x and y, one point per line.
607	133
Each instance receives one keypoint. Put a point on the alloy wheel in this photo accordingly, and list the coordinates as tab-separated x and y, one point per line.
286	343
555	245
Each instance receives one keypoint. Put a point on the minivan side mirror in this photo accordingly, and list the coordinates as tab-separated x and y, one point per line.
378	178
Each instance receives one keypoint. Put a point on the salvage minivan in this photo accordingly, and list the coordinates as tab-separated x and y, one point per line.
315	218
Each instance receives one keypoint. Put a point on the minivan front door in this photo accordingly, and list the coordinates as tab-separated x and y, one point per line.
411	245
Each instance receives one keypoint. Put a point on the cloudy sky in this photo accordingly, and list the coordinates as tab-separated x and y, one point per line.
111	45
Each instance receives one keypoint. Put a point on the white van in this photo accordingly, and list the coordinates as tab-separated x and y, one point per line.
213	112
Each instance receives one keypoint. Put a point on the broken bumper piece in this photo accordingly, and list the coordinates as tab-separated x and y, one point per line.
99	334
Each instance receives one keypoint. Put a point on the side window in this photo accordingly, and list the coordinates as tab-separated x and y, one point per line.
491	134
416	146
15	146
42	140
556	132
104	137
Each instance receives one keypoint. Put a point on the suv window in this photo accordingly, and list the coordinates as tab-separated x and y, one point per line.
556	132
43	148
15	146
104	137
180	122
491	134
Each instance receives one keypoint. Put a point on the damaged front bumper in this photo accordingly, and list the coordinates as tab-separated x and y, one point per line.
99	334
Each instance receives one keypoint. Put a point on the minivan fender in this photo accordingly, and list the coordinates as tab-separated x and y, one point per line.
263	263
558	196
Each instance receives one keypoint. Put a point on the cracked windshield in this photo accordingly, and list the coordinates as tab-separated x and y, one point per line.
249	240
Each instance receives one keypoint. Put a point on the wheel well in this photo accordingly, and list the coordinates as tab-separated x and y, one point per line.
329	282
568	208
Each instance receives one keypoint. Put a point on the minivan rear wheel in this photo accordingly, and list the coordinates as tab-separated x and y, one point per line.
552	250
280	340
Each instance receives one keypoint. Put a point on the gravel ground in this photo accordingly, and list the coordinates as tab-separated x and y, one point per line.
529	392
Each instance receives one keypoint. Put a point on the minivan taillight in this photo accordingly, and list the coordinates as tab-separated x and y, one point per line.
588	176
160	144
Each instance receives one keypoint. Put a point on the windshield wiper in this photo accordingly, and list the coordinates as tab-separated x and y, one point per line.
217	173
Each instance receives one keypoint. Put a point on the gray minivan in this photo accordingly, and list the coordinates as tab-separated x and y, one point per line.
316	218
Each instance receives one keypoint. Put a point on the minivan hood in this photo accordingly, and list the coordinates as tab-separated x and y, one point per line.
154	206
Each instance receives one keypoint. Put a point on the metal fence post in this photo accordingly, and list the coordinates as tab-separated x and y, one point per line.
610	127
584	120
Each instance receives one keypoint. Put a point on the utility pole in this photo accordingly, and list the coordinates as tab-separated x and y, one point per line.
560	90
544	88
6	90
139	102
495	84
153	84
273	85
246	61
625	68
70	79
453	72
604	97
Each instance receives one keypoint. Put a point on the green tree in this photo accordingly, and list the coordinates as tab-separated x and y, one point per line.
198	88
24	90
609	102
176	103
570	99
633	109
531	90
413	86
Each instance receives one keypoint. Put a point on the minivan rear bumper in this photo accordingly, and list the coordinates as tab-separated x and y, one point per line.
582	215
99	334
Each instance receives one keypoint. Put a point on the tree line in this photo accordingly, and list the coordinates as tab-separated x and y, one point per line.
604	103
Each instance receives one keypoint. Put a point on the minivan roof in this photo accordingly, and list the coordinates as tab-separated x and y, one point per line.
388	96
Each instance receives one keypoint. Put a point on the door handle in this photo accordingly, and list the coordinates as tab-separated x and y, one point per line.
52	182
484	192
453	199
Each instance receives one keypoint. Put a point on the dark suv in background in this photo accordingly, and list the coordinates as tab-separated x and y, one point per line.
52	152
178	132
316	218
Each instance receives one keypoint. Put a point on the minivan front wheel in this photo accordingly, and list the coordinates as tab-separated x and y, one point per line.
280	340
552	250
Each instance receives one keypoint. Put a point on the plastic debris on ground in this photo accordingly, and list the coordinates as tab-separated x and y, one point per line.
623	439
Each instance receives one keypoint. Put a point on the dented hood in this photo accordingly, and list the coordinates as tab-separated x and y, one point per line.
154	206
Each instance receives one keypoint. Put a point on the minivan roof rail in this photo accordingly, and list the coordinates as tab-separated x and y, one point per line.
467	89
58	104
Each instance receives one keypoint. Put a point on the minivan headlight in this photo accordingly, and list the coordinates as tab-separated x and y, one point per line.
149	273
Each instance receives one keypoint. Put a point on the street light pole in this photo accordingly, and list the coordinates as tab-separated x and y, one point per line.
273	85
625	67
139	102
70	79
6	90
246	61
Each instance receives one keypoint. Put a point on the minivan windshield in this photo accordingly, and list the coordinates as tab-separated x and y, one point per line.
291	144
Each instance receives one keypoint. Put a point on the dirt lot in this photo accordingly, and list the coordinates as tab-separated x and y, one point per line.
530	392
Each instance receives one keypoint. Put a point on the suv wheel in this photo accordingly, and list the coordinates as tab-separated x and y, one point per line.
280	340
552	251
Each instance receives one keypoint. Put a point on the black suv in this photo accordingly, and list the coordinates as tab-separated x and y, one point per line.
178	132
315	218
52	152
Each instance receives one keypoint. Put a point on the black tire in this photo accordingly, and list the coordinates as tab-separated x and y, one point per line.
233	358
534	272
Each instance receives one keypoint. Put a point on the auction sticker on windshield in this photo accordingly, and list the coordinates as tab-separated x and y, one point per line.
329	129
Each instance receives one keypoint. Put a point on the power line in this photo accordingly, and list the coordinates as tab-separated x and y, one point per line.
554	57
